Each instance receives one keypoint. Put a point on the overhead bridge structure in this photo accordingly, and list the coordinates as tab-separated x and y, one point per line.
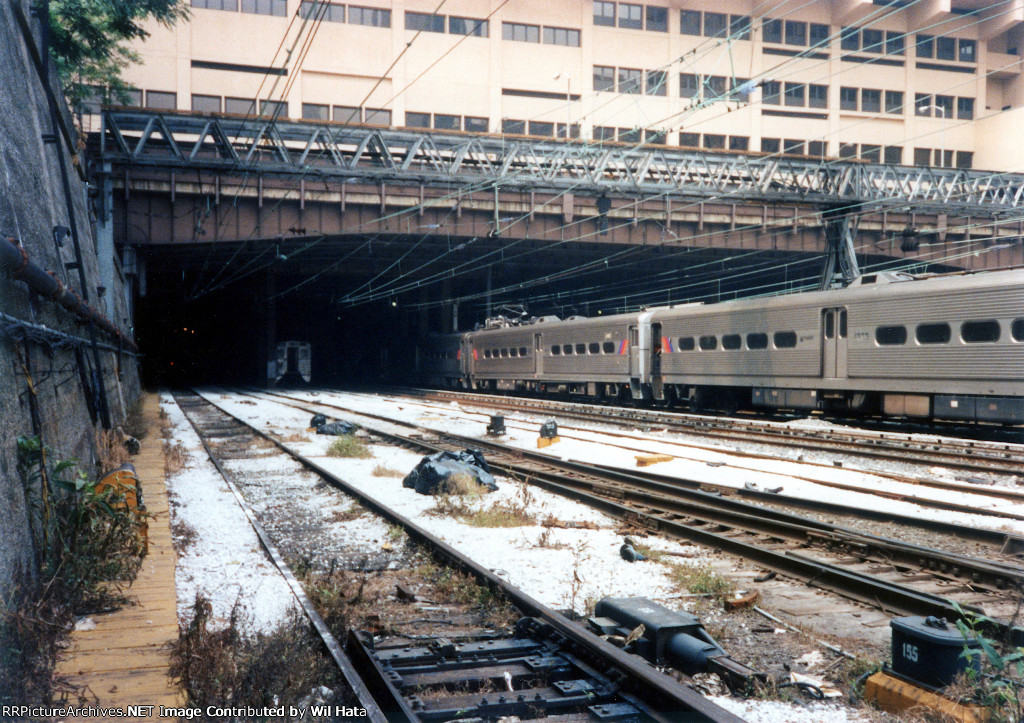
183	178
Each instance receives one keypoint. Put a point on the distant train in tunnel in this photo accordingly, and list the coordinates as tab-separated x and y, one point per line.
293	364
941	347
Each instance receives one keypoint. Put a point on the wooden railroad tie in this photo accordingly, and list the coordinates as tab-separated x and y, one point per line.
646	460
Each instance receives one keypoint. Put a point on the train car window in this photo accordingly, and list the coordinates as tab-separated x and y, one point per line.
784	339
504	353
731	341
608	347
891	335
933	333
842	324
1017	329
830	325
523	351
556	350
594	348
567	348
513	352
581	348
709	342
757	341
980	332
495	353
686	343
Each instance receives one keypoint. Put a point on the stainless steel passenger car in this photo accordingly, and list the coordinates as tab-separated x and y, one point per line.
949	347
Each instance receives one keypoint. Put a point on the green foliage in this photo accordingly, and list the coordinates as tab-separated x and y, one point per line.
348	445
89	40
1000	684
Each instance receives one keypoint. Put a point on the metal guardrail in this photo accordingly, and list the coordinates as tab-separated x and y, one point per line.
149	138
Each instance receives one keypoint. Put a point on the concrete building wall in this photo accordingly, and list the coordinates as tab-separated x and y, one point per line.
32	202
224	53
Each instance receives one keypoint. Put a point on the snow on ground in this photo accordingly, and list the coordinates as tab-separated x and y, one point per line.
546	572
224	561
723	467
771	711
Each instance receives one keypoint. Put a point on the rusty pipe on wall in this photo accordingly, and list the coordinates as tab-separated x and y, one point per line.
15	261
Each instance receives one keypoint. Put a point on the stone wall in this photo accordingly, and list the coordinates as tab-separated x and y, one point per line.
32	203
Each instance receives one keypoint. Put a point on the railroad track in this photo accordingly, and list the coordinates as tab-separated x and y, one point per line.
457	666
969	456
893	575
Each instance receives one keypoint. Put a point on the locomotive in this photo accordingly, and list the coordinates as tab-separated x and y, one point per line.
945	347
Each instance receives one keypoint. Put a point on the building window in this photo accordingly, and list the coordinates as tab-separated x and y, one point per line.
796	94
771	145
716	25
894	154
374	17
630	80
161	99
871	152
922	156
925	46
771	31
817	149
967	52
468	26
207	103
513	127
542	128
893	101
945	48
274	108
378	117
604	77
689	140
945	105
739	27
793	147
657	18
819	35
817	96
964	159
278	8
847	98
965	108
316	10
311	111
715	86
476	125
346	114
604	133
689	85
631	16
847	150
657	82
604	13
871	40
239	106
894	42
630	135
655	135
849	39
796	33
520	32
871	100
689	22
739	143
922	105
425	22
447	122
216	4
562	36
417	120
771	92
714	141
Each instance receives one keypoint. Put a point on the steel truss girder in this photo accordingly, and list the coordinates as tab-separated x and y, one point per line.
150	138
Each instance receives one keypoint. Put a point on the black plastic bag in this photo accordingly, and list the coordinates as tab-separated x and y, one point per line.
433	474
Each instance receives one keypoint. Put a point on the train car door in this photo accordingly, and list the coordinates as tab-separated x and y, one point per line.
538	356
635	360
657	386
834	342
